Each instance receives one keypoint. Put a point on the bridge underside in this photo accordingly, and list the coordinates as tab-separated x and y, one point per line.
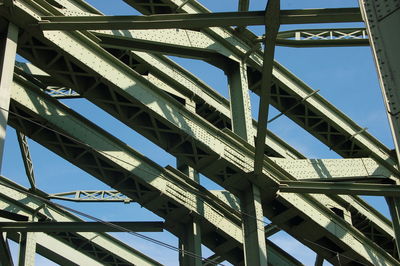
91	88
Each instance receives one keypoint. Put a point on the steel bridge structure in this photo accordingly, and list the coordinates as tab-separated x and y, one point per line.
122	65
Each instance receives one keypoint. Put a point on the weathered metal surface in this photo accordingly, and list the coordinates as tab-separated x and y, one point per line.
161	190
208	138
135	87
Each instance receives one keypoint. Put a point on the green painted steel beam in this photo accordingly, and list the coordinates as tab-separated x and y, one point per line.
382	20
343	136
343	188
57	251
81	226
196	21
175	76
168	103
27	249
190	239
8	49
296	38
129	43
141	89
39	77
341	125
96	248
177	201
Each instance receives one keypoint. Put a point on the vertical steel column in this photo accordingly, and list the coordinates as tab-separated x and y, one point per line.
255	250
190	241
382	19
253	227
394	208
7	61
27	249
240	102
5	255
27	244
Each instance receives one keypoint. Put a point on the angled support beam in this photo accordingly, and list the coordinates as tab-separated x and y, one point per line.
344	188
5	255
290	90
300	202
26	158
51	86
272	24
196	21
219	220
130	43
213	260
8	52
57	251
49	227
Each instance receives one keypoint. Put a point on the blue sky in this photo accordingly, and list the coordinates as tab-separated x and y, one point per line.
344	76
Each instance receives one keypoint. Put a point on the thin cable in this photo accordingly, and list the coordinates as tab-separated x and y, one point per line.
120	228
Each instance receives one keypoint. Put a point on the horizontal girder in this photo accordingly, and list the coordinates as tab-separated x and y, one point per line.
323	37
92	196
343	188
196	21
